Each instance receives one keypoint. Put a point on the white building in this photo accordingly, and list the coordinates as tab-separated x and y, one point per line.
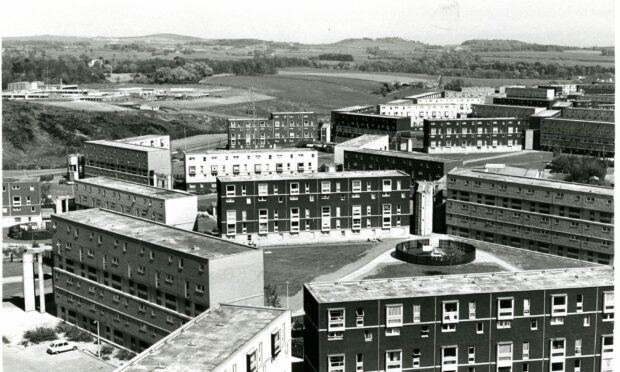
419	112
203	168
172	207
423	209
150	140
366	141
226	338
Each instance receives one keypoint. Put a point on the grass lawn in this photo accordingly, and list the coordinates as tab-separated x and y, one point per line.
528	260
301	264
536	160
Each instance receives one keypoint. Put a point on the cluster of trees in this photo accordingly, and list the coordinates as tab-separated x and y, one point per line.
510	45
580	168
465	64
455	84
335	57
188	72
71	69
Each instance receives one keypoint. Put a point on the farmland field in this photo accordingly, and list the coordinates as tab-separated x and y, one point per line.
568	58
378	77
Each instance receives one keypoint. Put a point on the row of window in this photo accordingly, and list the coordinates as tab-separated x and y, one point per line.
326	187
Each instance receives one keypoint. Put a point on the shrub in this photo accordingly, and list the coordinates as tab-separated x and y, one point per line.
106	350
124	354
5	340
63	327
40	334
24	343
77	335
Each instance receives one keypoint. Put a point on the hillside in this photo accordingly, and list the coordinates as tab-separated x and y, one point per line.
38	134
493	45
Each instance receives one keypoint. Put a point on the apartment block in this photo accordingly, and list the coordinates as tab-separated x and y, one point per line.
144	159
416	113
474	135
589	114
142	280
203	168
21	202
537	93
470	92
365	141
597	88
516	207
578	136
302	208
561	90
224	338
519	101
504	111
171	207
359	120
280	129
534	321
421	166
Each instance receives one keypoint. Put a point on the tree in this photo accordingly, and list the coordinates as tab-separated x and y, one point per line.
456	84
579	168
271	296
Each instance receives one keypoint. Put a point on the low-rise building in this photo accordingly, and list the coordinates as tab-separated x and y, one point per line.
224	338
504	111
474	135
365	141
416	113
171	207
578	136
589	114
518	207
470	92
302	208
21	202
280	129
203	168
530	102
144	159
141	280
537	93
597	88
543	320
421	166
352	124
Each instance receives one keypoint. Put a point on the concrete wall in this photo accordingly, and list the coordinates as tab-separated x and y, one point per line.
182	212
382	143
245	287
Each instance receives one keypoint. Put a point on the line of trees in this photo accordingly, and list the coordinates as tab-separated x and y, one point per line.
335	57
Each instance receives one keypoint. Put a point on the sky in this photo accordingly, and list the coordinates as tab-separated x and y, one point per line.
563	22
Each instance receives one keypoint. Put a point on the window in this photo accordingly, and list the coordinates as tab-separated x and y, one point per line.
424	332
359	317
471	354
416	357
504	355
480	328
416	313
505	312
526	306
392	331
294	188
230	190
335	363
262	189
450	312
356	186
526	350
393	315
359	362
608	306
534	324
335	325
586	321
393	360
607	353
275	344
387	185
325	187
472	309
367	336
449	358
578	343
200	288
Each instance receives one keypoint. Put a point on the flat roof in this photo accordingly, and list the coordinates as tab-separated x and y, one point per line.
406	155
582	120
159	234
356	107
508	106
20	179
318	175
547	113
563	104
363	139
255	119
522	180
135	188
373	115
528	99
460	284
292	112
127	146
141	138
207	341
253	151
477	119
411	103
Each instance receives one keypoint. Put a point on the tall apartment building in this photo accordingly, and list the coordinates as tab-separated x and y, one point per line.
504	111
326	206
281	129
421	166
474	134
597	88
224	338
538	93
203	168
534	321
144	159
589	114
21	202
142	280
171	207
530	102
578	136
511	206
352	124
365	141
416	113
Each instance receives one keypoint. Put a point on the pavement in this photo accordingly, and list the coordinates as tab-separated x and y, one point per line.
35	359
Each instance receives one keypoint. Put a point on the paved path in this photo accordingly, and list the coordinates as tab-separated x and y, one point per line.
498	156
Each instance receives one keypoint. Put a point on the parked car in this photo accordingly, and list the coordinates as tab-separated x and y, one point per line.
61	346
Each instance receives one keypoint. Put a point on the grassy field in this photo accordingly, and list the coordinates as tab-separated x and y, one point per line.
568	58
378	77
301	264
